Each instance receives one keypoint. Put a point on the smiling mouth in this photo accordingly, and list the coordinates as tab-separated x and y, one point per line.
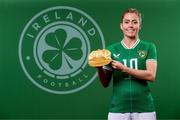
130	30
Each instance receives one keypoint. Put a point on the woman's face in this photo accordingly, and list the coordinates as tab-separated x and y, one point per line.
130	25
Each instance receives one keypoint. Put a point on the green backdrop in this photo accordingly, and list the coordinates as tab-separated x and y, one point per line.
20	98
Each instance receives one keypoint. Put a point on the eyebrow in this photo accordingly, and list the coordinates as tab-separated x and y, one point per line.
129	20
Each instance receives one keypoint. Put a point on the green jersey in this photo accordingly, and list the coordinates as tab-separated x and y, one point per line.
131	94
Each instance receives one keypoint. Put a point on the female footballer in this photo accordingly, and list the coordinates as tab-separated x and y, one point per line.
134	64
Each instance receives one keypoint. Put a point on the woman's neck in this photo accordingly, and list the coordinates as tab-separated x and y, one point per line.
129	42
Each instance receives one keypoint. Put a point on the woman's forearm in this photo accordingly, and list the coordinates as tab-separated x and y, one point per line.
141	74
148	74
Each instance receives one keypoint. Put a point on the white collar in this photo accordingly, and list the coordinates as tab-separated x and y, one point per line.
132	47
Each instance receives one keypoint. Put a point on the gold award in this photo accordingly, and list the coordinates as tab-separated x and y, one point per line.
99	57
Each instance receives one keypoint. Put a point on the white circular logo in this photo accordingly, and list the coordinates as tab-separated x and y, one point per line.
54	48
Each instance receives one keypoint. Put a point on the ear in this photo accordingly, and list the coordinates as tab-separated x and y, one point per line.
140	26
121	26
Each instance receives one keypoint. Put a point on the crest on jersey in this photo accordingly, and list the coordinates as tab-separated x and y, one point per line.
142	54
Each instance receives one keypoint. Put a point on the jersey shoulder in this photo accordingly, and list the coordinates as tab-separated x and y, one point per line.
114	46
146	43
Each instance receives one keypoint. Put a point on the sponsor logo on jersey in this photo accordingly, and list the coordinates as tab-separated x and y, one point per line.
54	46
116	55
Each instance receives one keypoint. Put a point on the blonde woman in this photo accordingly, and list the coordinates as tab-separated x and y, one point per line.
134	65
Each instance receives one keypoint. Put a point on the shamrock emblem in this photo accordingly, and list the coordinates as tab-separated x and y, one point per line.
60	47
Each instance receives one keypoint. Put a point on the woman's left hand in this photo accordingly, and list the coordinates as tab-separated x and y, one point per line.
117	65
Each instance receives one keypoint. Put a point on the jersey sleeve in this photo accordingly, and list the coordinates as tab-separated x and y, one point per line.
152	54
108	67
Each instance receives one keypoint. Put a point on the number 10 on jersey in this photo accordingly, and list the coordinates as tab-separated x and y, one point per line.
132	62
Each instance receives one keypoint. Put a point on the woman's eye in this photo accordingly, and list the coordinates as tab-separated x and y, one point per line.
135	22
